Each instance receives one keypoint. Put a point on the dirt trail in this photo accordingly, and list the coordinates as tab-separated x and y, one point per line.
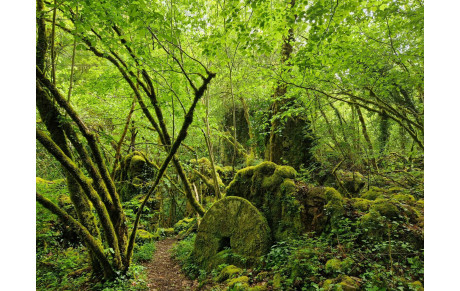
163	273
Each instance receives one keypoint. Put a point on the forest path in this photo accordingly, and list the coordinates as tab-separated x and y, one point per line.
164	273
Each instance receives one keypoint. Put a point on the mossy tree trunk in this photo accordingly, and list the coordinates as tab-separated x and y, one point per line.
95	182
51	117
290	139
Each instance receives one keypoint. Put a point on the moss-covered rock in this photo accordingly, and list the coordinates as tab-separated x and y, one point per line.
143	236
386	208
313	202
333	266
353	182
271	189
132	175
229	272
341	283
334	207
183	224
373	193
404	198
361	204
327	284
166	232
348	284
231	223
372	223
239	283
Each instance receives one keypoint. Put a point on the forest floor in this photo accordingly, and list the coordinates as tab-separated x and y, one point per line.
164	273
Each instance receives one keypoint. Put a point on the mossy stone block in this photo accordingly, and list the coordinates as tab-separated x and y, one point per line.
232	223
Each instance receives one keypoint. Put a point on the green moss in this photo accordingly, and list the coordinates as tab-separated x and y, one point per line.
333	266
405	198
231	223
416	285
328	284
271	189
334	206
420	203
262	276
393	190
136	166
348	284
229	272
131	176
226	173
386	208
240	282
165	232
183	224
361	204
373	193
353	182
372	223
258	288
277	281
144	236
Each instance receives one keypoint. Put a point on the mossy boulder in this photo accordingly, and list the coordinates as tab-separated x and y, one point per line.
133	174
225	173
165	232
271	188
361	204
348	284
183	224
312	211
229	272
353	182
386	208
341	283
333	266
404	198
373	193
144	236
372	223
231	224
334	206
240	283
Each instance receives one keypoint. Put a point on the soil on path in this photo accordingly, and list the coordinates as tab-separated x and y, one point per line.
163	273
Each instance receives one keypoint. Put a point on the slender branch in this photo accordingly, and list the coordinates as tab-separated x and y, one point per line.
188	119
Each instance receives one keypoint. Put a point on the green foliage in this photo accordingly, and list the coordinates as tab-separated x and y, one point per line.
55	264
368	54
144	252
134	280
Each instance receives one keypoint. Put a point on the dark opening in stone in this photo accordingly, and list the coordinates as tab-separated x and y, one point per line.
224	243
